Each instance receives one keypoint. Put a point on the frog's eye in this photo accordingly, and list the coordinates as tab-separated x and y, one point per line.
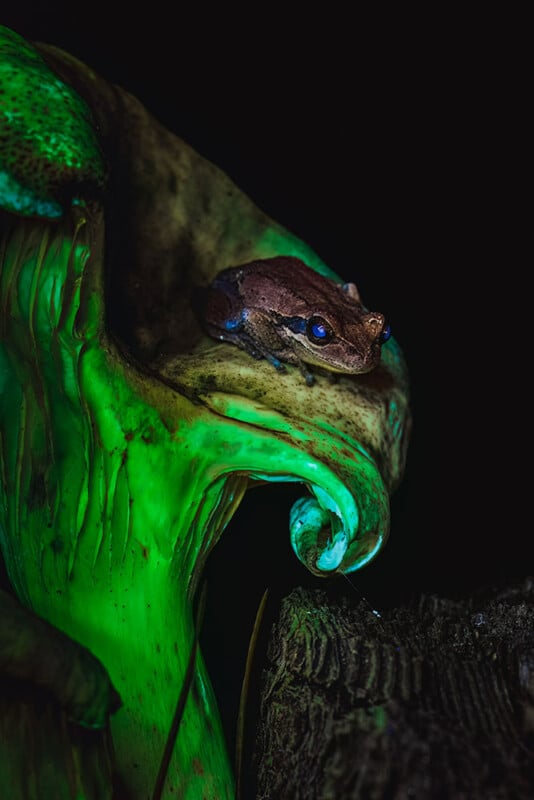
319	331
386	334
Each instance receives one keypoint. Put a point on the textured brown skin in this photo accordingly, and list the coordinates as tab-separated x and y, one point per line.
270	293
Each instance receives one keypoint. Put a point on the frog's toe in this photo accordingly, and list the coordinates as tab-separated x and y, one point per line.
277	364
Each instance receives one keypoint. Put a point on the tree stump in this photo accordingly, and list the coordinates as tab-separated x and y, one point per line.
431	700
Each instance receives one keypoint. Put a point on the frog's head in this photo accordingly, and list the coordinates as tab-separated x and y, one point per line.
346	338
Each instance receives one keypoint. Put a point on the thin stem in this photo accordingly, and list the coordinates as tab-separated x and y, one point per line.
182	699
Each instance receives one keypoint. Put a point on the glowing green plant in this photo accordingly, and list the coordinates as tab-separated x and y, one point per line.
121	467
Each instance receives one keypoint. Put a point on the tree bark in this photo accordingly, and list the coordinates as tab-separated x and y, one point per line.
432	700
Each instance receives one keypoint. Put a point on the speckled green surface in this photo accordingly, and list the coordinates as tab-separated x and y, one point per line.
49	152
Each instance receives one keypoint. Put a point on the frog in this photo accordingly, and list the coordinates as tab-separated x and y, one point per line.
282	310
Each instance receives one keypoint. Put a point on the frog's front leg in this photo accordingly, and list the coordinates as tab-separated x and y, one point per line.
259	329
253	331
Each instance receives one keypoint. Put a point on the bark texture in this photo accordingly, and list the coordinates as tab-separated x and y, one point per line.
435	700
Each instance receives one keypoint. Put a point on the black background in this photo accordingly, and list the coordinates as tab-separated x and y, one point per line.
388	154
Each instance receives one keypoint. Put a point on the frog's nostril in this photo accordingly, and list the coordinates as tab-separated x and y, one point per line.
374	322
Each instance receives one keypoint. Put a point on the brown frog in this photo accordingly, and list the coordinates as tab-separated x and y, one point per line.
282	310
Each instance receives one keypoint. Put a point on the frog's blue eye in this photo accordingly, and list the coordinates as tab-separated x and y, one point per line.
386	334
319	331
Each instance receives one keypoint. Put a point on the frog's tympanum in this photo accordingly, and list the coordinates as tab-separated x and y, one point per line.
128	435
281	310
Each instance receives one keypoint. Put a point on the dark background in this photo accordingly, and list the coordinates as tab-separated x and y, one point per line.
391	165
